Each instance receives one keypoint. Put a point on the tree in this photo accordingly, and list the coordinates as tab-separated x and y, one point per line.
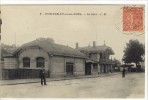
6	49
134	52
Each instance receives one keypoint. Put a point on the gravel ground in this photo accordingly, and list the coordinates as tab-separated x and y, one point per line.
132	86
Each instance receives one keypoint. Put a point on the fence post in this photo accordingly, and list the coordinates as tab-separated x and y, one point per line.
0	69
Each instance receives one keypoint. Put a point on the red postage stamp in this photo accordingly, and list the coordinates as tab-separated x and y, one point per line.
133	19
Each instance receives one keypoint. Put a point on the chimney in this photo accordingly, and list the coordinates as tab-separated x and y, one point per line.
77	45
94	44
104	43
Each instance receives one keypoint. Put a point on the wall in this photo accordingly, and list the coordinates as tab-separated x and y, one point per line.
10	63
59	66
95	56
55	65
33	53
79	67
106	55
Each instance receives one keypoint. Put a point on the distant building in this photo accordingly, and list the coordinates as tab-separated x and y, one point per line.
58	60
97	58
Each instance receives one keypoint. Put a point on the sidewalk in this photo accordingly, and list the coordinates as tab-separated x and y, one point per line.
37	80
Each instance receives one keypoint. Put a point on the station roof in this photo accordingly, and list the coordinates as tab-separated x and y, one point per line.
97	49
52	48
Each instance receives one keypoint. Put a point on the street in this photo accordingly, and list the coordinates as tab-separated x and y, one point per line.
132	86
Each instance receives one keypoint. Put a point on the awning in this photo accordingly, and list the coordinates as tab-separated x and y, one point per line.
127	65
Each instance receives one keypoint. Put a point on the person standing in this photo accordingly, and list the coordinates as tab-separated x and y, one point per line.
42	76
123	72
0	25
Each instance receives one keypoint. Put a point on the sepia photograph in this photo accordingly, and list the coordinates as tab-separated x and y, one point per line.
72	51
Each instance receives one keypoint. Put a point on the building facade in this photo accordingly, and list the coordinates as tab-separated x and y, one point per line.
58	60
97	59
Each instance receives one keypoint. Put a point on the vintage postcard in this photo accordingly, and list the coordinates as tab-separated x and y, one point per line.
73	51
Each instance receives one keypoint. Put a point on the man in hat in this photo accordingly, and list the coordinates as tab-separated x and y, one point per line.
42	76
123	72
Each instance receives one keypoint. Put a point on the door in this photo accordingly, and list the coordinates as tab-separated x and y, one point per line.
104	68
88	69
69	68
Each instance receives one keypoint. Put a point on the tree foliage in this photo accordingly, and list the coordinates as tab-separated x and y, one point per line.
6	49
134	52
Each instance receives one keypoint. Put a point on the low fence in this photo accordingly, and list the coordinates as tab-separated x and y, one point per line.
21	73
1	64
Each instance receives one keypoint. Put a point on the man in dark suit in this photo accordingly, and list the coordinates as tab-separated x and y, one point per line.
42	76
123	72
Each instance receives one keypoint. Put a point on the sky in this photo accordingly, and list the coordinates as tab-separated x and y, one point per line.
24	23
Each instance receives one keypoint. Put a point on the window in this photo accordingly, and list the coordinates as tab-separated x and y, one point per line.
40	62
101	56
94	66
26	62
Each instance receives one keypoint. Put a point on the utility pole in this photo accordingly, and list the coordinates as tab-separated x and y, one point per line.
15	41
96	38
